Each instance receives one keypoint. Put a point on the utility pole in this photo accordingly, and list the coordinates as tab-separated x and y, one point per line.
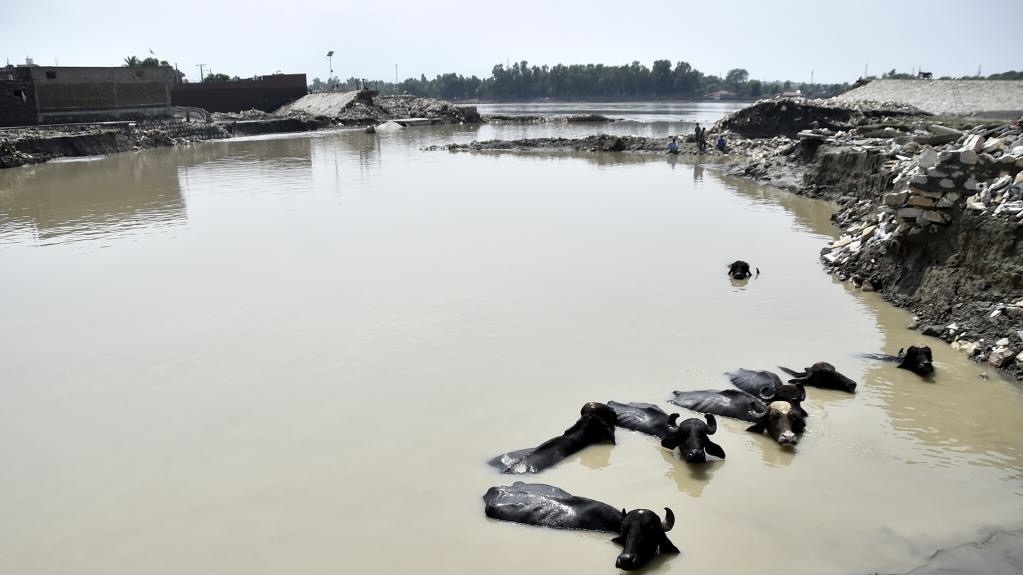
201	77
811	76
978	70
330	75
395	73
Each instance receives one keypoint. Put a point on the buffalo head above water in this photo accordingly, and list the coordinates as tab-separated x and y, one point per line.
740	270
917	359
691	438
643	537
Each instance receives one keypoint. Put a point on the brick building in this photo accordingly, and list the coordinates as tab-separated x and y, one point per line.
265	93
50	94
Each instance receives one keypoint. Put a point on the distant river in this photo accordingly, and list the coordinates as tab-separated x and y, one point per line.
294	354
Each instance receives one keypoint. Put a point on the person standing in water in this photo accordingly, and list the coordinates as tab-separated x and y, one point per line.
673	145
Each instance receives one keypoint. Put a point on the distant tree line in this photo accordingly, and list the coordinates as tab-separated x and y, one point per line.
521	81
134	61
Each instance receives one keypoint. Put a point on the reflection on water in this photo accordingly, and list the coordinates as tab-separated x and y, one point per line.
319	359
72	201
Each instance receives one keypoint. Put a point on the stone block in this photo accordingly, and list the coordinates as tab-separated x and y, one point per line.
948	201
921	202
999	183
935	217
947	184
928	158
909	213
1001	356
968	157
896	199
974	143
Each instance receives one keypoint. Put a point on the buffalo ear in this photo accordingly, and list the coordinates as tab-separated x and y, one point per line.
765	392
666	546
619	540
669	442
758	427
610	433
798	381
713	449
712	424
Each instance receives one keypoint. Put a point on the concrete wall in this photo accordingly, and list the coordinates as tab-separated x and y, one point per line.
265	93
70	89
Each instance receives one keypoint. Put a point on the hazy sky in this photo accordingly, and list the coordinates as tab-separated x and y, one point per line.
773	40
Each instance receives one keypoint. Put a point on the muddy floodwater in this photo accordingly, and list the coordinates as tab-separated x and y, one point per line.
295	355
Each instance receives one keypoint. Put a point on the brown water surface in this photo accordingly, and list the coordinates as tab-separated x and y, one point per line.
295	354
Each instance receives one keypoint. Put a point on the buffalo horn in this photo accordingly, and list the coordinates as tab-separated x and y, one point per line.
669	520
672	420
712	424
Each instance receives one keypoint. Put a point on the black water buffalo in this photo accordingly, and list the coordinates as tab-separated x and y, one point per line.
780	418
740	270
782	423
823	375
642	417
596	424
727	403
640	531
916	359
768	387
690	436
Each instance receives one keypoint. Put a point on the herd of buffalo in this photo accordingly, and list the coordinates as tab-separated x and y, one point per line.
772	406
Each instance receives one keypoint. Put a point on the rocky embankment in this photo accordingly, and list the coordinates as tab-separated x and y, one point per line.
37	144
34	145
931	210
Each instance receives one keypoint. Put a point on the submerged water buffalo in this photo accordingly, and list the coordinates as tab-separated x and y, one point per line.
917	359
822	374
690	436
727	403
640	531
596	424
740	270
783	423
768	387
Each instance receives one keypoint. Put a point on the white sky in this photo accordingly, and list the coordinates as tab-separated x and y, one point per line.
773	40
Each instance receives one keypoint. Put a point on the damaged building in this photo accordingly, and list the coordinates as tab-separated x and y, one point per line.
55	94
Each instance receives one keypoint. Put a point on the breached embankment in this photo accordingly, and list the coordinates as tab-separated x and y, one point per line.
930	208
37	144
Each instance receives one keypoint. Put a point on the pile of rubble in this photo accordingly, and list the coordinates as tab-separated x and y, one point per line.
408	106
789	116
981	171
